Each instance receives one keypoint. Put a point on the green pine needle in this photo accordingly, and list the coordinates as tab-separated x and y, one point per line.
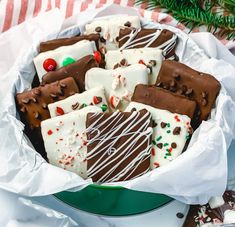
192	14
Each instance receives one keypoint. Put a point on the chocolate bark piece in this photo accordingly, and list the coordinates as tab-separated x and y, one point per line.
32	106
55	43
121	150
163	99
145	37
201	87
77	70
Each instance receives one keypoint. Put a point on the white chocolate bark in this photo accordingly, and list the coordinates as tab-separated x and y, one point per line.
77	101
75	51
165	145
110	28
151	57
65	140
119	84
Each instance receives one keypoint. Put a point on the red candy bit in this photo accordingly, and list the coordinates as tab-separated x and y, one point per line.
59	111
141	62
156	164
95	100
97	56
170	149
153	152
49	132
177	118
49	64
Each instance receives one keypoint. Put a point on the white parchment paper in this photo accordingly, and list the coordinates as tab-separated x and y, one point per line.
195	176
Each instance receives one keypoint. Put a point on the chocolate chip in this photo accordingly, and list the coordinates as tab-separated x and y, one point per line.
127	24
123	62
98	29
176	131
102	40
117	39
153	62
99	99
173	89
37	91
62	85
34	99
189	91
204	94
159	84
37	115
179	215
163	124
75	106
154	124
166	86
44	106
133	109
190	130
184	88
177	77
204	102
25	101
159	145
116	66
173	145
172	83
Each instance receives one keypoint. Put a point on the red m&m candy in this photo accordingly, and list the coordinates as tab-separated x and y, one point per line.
49	64
97	56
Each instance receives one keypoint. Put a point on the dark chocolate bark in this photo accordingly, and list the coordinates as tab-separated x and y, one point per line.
55	43
163	99
201	87
132	38
77	70
32	106
121	149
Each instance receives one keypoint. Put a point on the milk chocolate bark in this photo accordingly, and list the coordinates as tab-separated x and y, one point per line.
163	99
181	79
77	70
33	108
199	215
121	149
55	43
140	38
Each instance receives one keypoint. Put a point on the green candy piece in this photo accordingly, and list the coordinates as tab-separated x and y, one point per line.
68	61
84	105
104	107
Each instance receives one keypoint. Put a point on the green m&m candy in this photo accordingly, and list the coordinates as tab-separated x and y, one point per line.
104	107
68	61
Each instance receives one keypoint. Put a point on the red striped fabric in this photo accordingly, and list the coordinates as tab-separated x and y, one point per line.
20	12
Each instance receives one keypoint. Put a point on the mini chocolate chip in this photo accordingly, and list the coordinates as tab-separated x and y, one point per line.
172	83
75	106
166	86
133	109
173	145
53	96
173	89
179	215
44	106
102	40
177	77
117	39
176	130
34	99
62	85
116	66
190	130
99	99
159	145
163	124
127	24
154	124
159	84
189	91
204	102
25	101
204	94
98	29
176	58
37	91
36	115
123	61
153	62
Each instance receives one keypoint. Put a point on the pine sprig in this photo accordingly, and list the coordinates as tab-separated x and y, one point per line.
193	13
